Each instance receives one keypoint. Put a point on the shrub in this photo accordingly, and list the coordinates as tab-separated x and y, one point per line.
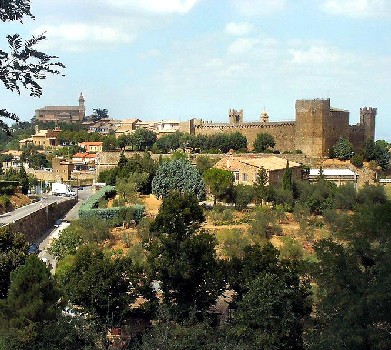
357	160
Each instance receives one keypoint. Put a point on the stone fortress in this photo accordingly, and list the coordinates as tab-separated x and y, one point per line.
317	127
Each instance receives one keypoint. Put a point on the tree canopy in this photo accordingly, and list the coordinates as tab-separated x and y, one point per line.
23	66
178	175
263	142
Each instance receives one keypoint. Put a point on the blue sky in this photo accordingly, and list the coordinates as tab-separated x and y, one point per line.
178	59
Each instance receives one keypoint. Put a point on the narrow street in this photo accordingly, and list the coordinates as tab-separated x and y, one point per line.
46	240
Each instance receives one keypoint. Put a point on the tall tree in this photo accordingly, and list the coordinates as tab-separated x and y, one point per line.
261	186
219	181
178	175
99	113
24	65
263	142
182	259
343	149
101	284
24	180
353	278
13	253
33	300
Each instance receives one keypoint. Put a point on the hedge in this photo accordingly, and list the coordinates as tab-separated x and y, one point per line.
89	210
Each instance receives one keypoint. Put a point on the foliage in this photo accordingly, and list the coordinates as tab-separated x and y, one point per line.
343	149
357	160
178	175
13	253
204	163
101	284
188	272
287	183
232	242
353	280
179	214
221	215
34	159
271	314
141	140
345	197
68	242
317	196
89	211
32	300
220	182
377	151
24	181
243	195
24	65
263	142
10	184
371	194
99	113
264	224
260	186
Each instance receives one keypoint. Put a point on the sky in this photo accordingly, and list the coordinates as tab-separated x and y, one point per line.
179	59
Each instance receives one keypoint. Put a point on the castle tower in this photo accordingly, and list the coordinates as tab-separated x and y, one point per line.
311	124
264	117
82	108
235	117
367	120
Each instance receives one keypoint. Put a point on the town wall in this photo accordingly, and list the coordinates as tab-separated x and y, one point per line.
283	132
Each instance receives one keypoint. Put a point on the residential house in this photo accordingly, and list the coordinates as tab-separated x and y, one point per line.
246	168
92	147
84	161
42	138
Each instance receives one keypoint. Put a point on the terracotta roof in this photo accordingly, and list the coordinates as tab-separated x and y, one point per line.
92	143
84	155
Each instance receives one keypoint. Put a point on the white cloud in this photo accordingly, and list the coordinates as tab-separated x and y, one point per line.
80	36
317	54
259	7
238	29
358	8
154	6
242	46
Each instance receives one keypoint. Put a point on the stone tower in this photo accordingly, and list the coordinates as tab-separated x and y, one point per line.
82	107
367	120
264	117
311	124
235	117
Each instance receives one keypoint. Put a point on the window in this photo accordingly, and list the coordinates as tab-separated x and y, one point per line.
244	177
236	174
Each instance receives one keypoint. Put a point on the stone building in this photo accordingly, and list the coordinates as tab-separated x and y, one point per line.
63	114
246	168
316	128
47	139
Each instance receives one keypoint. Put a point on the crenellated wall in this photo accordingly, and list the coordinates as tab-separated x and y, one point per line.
283	132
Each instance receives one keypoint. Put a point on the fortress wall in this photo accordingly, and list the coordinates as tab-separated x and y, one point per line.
283	132
311	120
357	136
336	125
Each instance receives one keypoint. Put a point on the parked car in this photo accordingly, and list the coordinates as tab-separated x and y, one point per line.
34	248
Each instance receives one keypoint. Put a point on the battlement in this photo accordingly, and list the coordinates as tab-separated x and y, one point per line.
235	117
368	110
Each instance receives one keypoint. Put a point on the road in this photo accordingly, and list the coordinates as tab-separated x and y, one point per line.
19	213
46	240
